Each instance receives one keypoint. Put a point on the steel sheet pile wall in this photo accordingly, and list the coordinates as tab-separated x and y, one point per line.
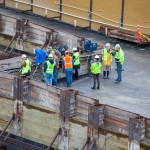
41	115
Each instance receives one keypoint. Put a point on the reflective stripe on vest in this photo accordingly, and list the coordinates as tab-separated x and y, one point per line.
27	67
50	67
67	62
77	58
105	54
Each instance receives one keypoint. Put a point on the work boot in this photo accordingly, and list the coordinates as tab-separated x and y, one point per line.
104	74
107	74
93	88
98	88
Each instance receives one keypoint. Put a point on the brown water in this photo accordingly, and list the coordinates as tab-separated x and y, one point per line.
135	11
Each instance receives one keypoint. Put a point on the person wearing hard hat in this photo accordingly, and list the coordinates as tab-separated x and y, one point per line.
25	65
67	64
56	68
95	69
119	61
49	69
106	60
76	58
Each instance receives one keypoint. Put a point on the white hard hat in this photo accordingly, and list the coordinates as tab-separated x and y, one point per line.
96	56
24	56
107	44
50	56
74	48
117	46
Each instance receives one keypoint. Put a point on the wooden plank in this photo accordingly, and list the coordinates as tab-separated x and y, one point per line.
86	99
118	113
43	86
32	25
10	19
36	31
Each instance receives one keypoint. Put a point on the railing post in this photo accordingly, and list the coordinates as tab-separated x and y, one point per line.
90	14
60	9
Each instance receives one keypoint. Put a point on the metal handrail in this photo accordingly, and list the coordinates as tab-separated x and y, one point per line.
86	19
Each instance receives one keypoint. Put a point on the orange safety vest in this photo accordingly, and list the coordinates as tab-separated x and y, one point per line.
68	62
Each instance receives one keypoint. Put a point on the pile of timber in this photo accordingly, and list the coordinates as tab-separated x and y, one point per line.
11	65
122	34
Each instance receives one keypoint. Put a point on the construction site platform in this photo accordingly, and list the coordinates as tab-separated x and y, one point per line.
133	93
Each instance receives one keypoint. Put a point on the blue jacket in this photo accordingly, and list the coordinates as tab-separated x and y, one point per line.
40	56
70	69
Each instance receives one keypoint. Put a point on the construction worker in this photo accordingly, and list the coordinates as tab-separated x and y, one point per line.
67	64
56	68
106	60
76	58
95	69
26	66
49	68
119	62
40	56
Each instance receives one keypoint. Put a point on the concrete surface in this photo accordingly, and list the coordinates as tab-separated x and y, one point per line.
133	93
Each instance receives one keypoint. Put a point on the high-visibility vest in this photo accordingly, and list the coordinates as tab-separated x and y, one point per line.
67	62
27	68
96	68
77	58
50	67
105	56
120	56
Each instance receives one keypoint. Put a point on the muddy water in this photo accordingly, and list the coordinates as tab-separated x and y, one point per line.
135	11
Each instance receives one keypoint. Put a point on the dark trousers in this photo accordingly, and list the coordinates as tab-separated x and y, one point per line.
96	78
119	71
76	74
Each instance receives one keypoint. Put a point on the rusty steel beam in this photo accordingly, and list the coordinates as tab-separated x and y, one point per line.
136	133
12	40
52	142
21	144
6	127
95	119
84	145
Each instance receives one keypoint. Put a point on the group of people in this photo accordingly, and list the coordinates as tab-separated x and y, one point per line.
107	54
70	62
52	62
